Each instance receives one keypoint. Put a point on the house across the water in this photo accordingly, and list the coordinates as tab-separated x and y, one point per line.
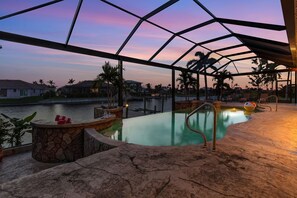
86	88
21	89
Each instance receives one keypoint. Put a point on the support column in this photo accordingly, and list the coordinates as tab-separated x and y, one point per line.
276	87
120	92
295	87
173	89
287	86
291	91
198	87
206	90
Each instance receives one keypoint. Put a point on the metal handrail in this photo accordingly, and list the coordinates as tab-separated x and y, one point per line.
214	124
276	101
264	106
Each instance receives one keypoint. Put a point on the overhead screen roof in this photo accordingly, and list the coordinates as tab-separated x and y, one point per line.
158	33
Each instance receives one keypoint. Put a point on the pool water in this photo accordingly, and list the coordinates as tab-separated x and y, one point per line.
168	129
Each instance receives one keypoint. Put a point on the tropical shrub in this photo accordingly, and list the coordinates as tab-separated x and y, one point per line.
16	128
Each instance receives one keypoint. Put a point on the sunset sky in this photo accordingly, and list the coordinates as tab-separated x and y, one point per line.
104	28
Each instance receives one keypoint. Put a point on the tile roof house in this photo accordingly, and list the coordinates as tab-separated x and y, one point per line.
134	85
20	89
81	89
89	88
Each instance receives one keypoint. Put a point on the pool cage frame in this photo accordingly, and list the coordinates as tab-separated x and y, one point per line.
278	52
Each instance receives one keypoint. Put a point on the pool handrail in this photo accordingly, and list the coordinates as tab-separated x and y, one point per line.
264	106
276	102
214	124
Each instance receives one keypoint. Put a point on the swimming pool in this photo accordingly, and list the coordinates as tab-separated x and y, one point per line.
169	129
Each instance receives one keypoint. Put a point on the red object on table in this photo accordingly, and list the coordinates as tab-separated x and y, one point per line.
63	118
61	121
57	118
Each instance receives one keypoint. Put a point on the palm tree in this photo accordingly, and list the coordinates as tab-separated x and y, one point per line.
110	76
71	81
149	87
186	80
51	83
158	88
41	81
272	77
203	61
220	85
169	87
259	80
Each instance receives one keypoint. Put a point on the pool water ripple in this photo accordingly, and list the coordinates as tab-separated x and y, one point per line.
168	129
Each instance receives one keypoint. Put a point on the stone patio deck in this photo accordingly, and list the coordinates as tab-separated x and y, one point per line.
255	159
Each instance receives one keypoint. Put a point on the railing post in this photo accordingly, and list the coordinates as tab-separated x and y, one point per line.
120	91
173	89
276	102
144	105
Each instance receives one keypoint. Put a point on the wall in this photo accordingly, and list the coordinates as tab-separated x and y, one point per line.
17	93
62	143
95	142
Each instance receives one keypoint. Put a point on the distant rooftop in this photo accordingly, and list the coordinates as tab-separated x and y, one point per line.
19	84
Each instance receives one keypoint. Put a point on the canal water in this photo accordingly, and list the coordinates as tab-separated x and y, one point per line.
80	112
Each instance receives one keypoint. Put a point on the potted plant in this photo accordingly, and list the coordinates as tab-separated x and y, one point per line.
111	78
4	128
17	128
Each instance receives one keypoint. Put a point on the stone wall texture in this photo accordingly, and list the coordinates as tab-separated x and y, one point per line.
62	143
95	142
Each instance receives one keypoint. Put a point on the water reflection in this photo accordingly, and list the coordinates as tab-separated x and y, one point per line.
77	112
170	129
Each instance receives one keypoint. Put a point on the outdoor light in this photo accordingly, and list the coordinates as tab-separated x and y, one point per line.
127	109
233	110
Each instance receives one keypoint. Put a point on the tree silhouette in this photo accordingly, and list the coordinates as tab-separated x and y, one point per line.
110	76
203	61
51	83
71	81
258	80
158	88
186	80
219	84
149	87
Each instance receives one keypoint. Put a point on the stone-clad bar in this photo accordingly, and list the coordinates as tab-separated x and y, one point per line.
62	143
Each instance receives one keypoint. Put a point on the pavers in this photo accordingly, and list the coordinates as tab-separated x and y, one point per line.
255	159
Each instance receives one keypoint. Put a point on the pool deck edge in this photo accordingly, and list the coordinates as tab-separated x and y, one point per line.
257	158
